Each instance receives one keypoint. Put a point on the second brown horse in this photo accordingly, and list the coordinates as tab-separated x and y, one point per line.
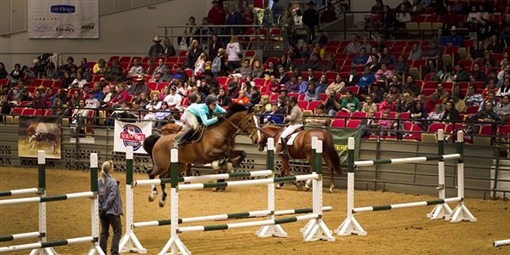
301	148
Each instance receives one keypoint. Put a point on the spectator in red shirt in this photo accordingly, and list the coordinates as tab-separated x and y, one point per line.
432	101
274	85
216	15
120	97
388	104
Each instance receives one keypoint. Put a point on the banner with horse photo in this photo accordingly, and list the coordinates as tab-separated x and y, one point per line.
340	135
39	133
131	134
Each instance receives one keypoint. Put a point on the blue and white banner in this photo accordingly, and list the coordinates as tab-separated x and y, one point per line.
131	134
63	18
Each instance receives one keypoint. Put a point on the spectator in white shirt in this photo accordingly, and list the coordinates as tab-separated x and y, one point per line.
174	101
136	69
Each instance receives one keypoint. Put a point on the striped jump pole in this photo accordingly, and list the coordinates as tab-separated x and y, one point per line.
14	192
246	224
316	228
229	216
44	246
129	242
461	212
204	178
501	243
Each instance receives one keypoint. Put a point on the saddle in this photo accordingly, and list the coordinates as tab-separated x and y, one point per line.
197	135
194	137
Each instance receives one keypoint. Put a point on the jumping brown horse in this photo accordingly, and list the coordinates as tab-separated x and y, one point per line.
216	145
236	156
301	148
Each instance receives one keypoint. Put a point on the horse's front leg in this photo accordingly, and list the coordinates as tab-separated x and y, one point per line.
154	190
163	195
285	169
236	158
181	168
32	142
218	169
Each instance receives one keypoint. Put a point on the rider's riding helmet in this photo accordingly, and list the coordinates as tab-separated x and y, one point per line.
210	99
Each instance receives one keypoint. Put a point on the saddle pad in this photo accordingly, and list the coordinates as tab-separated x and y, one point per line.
291	139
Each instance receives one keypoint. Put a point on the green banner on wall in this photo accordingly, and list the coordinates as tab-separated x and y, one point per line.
340	135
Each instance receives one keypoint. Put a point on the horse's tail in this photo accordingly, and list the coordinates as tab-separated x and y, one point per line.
149	143
330	153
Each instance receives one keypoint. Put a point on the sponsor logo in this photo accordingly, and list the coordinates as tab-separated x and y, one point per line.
68	28
87	27
42	28
132	135
63	8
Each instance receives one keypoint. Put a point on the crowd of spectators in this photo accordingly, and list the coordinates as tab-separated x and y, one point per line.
361	80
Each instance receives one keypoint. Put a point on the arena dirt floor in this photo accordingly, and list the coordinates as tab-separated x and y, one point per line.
403	231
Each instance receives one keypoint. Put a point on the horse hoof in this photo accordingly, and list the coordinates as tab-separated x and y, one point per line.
307	188
152	196
331	189
161	204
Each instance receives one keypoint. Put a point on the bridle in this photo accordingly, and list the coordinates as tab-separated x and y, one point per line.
251	133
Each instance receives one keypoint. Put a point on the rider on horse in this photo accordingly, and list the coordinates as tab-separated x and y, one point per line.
294	120
203	111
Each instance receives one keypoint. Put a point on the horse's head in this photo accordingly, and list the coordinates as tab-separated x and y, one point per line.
268	131
31	129
249	125
242	121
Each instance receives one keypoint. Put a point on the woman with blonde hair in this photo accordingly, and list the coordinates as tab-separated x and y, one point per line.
110	208
234	53
200	65
193	54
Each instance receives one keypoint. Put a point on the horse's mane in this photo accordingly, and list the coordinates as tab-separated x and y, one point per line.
235	108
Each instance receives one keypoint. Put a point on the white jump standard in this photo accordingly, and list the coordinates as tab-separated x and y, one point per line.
350	226
44	247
